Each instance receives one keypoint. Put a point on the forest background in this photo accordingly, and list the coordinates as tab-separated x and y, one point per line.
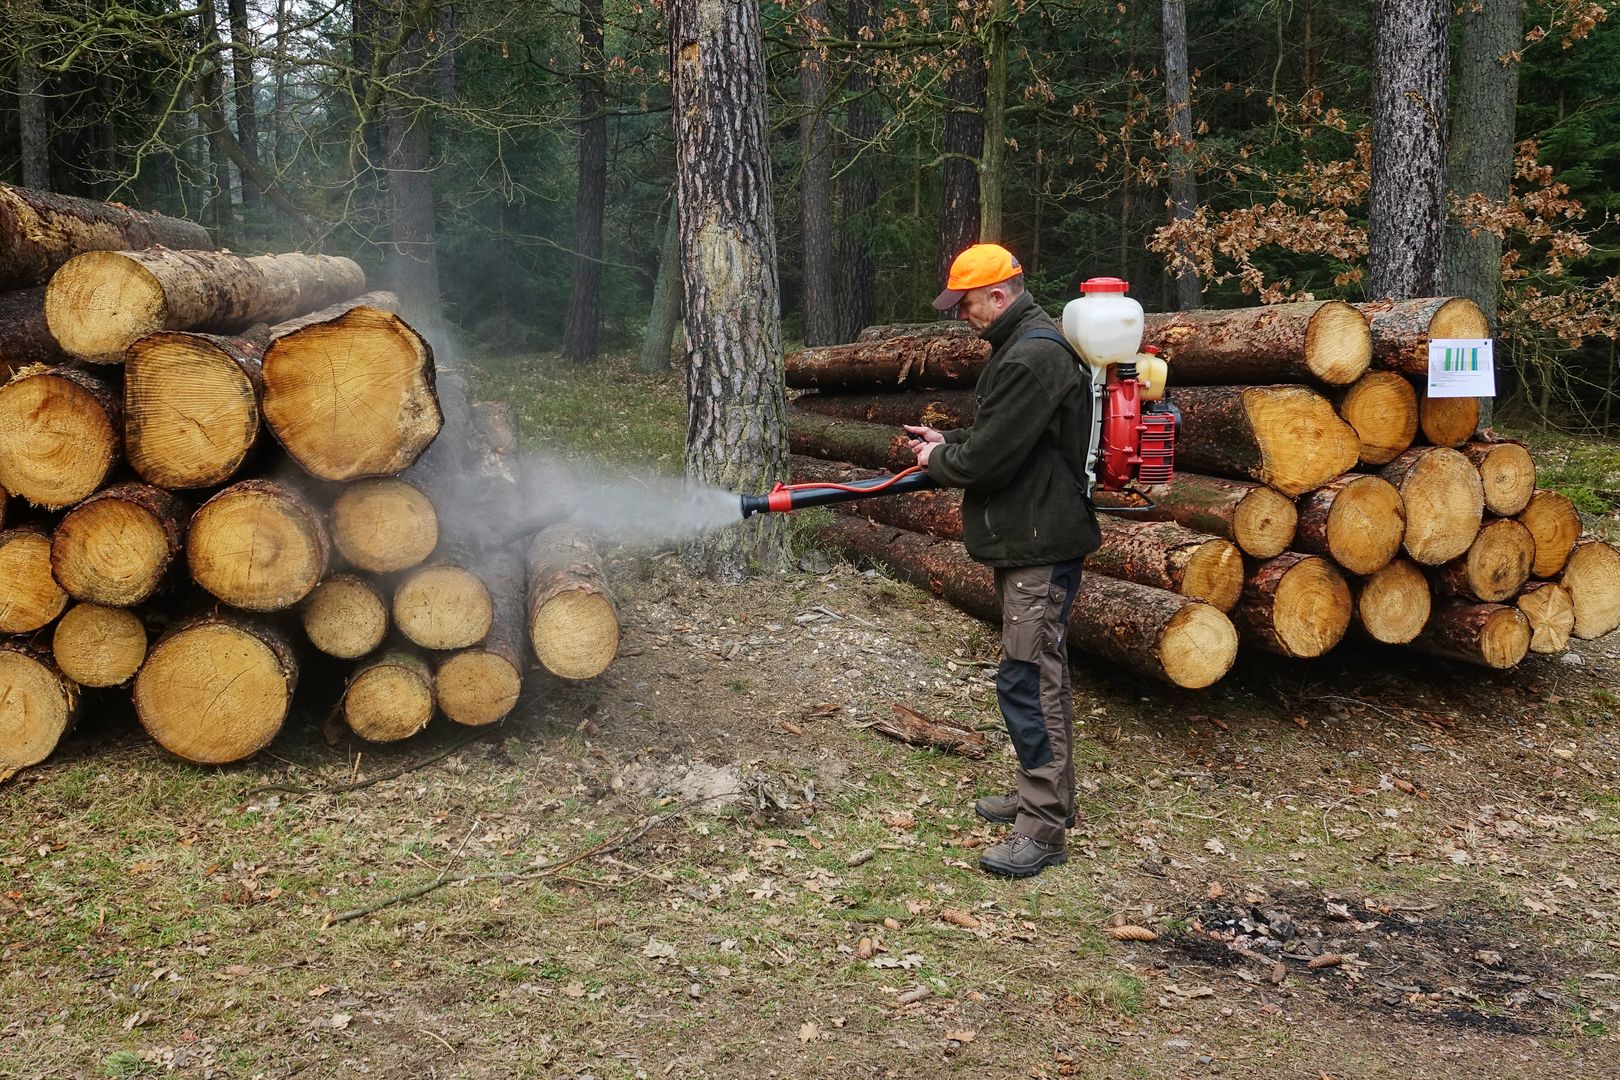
512	166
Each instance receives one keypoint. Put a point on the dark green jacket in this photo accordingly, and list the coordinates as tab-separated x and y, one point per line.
1020	506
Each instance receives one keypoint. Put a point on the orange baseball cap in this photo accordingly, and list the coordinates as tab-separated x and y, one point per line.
979	265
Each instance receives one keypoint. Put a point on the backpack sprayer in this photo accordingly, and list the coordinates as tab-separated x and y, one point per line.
1133	427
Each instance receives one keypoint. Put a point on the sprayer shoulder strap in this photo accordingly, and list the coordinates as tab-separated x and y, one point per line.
1090	387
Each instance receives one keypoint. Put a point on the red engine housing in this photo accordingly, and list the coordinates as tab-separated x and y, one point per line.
1138	442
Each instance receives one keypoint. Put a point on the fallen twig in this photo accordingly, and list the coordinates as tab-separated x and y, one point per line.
339	789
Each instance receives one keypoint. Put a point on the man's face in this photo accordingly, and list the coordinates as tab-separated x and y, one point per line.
980	307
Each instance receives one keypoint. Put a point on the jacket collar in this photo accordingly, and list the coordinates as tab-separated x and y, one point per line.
1008	321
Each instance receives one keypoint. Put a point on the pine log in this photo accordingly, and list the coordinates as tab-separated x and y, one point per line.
1490	635
1551	614
116	547
29	596
443	605
1495	567
1393	603
902	361
1324	342
39	231
99	646
480	685
258	545
1592	576
572	624
1287	437
1145	630
1258	519
389	696
1444	500
1356	520
1401	330
937	512
1447	421
383	525
24	337
940	328
939	409
870	446
1382	407
1556	525
378	300
99	304
37	706
1294	605
1508	474
61	435
345	616
494	495
352	396
216	688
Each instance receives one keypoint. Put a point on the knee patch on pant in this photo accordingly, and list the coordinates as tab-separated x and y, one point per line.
1018	691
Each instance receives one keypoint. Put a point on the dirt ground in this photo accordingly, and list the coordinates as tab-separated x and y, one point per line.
707	864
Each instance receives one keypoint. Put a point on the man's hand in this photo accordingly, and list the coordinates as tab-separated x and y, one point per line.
923	443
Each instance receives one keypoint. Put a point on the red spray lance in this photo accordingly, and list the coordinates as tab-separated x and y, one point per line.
1133	430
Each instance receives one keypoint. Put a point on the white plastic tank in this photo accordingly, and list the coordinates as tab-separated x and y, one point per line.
1104	325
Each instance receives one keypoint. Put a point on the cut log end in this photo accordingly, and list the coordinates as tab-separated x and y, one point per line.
1394	603
1312	608
384	525
99	646
1444	502
1448	421
1592	576
1490	635
1214	574
345	617
1265	522
1497	563
115	548
1198	647
191	413
389	699
215	691
1338	345
1459	317
1556	525
100	303
60	436
443	607
36	707
1551	613
1366	525
1508	473
477	687
29	596
575	634
1303	443
1383	409
257	547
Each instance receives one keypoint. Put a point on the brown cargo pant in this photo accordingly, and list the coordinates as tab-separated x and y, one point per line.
1032	688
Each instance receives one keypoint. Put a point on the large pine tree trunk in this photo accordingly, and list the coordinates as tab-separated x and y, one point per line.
244	89
1178	102
1407	202
964	147
33	121
1324	342
735	431
412	257
1357	521
819	301
993	160
585	299
870	446
858	275
40	231
1260	520
1401	330
659	337
1287	437
210	83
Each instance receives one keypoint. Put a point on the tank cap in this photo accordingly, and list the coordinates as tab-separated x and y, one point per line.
1104	284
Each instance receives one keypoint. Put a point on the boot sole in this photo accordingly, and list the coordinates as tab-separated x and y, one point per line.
1003	870
998	820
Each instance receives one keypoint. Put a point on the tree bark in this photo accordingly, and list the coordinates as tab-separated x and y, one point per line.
941	409
572	624
1555	525
1401	330
1294	605
820	302
33	121
1325	342
1507	472
862	126
352	396
29	596
40	231
585	300
37	706
735	431
959	216
1489	635
1145	630
60	436
210	102
946	329
1496	566
99	646
24	336
993	159
1178	103
257	545
389	696
117	546
659	337
1383	408
1407	204
1393	604
102	302
1444	502
1287	437
870	446
412	256
1357	521
244	90
345	616
1258	519
216	689
1551	614
908	362
1592	576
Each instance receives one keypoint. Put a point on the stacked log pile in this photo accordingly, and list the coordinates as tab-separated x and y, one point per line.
264	464
1318	492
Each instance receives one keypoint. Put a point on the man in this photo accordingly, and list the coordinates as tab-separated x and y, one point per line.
1025	512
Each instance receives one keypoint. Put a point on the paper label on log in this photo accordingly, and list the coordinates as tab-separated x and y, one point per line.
1462	367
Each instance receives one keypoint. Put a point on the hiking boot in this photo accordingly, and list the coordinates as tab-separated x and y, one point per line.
1021	856
1003	810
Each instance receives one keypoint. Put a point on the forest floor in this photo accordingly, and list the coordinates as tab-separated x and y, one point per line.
707	864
